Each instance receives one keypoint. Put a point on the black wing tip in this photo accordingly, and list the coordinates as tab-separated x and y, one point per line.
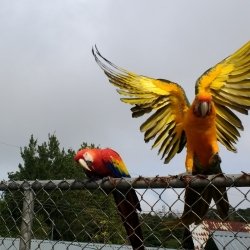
94	49
166	161
96	53
101	60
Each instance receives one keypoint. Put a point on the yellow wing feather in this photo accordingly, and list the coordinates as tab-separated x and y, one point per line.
229	84
166	99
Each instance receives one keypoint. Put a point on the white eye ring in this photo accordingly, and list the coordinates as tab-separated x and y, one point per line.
87	157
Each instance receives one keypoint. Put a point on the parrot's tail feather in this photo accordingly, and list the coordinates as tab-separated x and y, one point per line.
127	203
220	198
197	201
187	240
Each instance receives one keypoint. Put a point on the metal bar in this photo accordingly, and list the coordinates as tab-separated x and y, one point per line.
235	180
27	219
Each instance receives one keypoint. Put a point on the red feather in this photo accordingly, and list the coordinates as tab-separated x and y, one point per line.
99	163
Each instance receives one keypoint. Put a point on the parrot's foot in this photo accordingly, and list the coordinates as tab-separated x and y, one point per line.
106	178
214	159
186	176
110	179
187	173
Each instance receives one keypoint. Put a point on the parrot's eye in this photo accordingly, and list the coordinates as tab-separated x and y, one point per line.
89	163
88	159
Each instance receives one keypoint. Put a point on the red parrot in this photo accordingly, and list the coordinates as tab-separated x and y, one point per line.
100	163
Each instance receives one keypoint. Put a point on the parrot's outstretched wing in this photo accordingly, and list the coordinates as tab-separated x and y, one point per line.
229	84
166	99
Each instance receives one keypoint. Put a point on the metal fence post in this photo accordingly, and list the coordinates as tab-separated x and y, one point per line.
27	219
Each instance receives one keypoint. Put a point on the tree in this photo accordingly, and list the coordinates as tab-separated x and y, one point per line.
46	161
61	215
158	233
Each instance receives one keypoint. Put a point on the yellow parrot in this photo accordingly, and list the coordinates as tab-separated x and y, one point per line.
175	123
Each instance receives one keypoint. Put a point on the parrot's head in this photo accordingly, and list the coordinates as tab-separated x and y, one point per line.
85	157
202	105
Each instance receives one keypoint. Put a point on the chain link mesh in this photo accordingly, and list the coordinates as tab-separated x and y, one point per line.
82	213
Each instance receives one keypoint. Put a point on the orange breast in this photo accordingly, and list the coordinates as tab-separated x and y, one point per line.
201	136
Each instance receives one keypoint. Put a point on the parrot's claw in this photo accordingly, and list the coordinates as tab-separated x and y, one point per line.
110	180
214	159
185	174
106	178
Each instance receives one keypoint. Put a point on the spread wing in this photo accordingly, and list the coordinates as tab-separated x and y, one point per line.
166	100
229	84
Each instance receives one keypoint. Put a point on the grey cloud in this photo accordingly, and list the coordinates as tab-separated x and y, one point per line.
51	83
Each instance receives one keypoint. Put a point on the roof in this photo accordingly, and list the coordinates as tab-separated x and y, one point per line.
13	244
233	226
228	240
202	232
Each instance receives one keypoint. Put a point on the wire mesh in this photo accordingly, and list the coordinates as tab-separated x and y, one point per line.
176	213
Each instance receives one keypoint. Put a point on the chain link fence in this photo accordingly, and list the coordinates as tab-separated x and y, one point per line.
82	214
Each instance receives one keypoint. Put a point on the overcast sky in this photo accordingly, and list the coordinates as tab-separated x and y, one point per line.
50	82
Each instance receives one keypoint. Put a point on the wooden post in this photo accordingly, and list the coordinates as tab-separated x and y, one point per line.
27	219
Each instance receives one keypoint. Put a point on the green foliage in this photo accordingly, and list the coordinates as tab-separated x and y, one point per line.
77	215
60	215
156	232
46	162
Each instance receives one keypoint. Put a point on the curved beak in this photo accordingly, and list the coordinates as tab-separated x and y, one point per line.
202	109
84	164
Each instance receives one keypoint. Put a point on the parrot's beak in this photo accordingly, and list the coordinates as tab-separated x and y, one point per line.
202	109
84	164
